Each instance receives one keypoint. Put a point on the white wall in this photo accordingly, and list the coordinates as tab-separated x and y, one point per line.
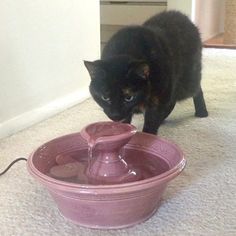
43	45
209	17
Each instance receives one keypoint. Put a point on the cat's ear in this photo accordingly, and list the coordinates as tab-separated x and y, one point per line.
94	69
142	70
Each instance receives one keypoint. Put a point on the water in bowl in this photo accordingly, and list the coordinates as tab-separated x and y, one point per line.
71	166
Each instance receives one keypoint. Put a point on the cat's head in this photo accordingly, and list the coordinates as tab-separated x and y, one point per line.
118	85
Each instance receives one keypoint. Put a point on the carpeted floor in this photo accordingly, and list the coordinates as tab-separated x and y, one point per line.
201	201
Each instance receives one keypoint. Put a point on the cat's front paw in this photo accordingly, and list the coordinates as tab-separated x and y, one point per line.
149	130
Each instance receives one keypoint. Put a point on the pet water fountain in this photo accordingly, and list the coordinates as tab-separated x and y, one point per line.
108	175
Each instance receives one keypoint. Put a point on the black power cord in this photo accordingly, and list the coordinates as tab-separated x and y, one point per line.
12	163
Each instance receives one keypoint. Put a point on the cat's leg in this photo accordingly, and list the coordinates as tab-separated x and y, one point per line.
199	104
169	109
154	116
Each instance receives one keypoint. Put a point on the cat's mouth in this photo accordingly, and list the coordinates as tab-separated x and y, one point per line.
122	120
119	120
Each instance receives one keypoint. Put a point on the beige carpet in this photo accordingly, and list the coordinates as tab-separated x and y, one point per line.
201	201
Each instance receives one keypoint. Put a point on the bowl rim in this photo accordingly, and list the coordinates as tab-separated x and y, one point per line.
111	188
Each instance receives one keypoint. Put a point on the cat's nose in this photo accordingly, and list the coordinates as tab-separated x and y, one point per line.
115	117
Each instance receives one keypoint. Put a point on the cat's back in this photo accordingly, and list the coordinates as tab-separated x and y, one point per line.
172	27
132	40
177	28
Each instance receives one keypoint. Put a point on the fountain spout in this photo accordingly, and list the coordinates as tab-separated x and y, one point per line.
106	163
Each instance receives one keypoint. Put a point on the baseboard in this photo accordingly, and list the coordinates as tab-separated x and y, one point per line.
32	117
218	42
207	36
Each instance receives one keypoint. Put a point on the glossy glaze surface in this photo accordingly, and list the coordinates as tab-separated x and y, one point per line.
106	160
108	205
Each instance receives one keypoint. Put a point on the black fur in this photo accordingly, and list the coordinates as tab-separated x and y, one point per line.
149	68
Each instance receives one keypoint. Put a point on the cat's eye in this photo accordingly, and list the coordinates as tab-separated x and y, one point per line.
105	98
129	98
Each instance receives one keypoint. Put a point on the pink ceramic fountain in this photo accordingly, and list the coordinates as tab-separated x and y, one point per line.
106	162
108	175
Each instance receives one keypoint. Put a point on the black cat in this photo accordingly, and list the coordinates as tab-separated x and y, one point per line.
148	68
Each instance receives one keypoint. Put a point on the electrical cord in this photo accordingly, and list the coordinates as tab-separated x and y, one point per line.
12	163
